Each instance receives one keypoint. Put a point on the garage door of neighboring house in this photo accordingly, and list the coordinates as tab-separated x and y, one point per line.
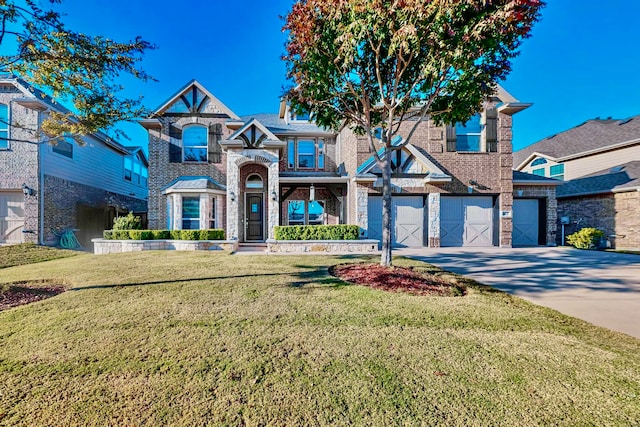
466	221
11	217
525	222
407	220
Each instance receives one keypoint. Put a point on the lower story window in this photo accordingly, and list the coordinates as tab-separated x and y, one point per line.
190	213
212	213
301	212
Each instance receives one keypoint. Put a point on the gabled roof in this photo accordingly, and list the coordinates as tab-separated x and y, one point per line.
279	126
193	183
254	122
435	173
184	89
590	137
620	178
134	149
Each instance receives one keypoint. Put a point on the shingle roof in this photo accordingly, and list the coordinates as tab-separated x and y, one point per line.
523	176
278	126
194	183
590	135
619	178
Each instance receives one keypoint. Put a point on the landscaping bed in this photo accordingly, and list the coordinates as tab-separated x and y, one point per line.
21	293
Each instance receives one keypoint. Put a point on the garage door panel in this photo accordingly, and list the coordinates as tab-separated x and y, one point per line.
407	219
374	216
11	217
466	221
525	222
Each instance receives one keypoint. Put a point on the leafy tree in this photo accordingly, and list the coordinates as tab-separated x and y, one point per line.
374	64
77	68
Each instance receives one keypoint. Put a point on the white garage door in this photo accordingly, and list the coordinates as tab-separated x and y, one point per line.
525	222
466	221
407	220
11	217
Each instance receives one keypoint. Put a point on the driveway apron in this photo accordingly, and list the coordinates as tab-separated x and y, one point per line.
602	288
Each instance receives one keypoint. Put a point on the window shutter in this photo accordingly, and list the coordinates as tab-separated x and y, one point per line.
491	130
451	138
215	135
175	150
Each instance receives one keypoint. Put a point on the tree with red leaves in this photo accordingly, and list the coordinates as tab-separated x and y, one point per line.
374	64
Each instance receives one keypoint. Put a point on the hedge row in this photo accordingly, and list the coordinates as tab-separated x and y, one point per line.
212	234
317	232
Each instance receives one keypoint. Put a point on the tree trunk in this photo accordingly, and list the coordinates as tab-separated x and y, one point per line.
385	259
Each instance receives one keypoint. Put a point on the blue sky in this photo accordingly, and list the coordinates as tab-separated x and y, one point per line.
581	62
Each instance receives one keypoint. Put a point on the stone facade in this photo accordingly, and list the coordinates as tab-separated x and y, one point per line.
102	246
614	213
320	246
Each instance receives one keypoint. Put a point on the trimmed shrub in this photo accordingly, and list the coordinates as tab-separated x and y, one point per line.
107	234
161	234
175	234
190	235
141	234
586	238
212	234
128	222
317	232
121	235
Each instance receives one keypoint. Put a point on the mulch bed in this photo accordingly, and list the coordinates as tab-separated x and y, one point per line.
20	293
396	279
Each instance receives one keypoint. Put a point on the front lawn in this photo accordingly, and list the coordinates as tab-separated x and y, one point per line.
196	338
28	253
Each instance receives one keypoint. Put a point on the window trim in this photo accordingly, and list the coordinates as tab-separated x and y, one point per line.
205	146
320	149
479	134
191	219
305	218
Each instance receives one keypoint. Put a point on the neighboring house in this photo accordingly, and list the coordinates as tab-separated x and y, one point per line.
452	185
609	200
598	160
592	146
45	188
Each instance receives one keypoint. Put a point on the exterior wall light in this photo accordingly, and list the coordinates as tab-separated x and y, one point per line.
232	196
28	191
274	196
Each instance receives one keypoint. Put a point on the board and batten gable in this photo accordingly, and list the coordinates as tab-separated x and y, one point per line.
95	164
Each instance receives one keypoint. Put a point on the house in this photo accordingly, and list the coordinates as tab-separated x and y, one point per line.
592	146
46	188
598	160
452	185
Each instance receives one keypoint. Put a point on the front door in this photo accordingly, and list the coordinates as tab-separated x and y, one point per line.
254	217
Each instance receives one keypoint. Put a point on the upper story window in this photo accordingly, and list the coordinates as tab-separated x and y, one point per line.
194	143
135	171
305	153
557	172
539	172
64	147
539	161
4	127
478	134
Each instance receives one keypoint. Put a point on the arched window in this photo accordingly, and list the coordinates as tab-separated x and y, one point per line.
255	181
195	141
539	161
4	126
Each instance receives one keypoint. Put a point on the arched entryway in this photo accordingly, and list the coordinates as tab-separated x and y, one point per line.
253	202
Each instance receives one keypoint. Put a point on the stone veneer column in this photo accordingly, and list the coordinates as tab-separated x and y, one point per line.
433	206
362	202
233	187
274	187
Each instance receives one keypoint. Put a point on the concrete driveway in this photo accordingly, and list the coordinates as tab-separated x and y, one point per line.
602	288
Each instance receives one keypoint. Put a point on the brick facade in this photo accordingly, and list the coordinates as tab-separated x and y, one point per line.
614	213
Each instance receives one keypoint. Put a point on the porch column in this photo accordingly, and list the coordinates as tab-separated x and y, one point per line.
233	188
273	216
362	204
177	211
433	206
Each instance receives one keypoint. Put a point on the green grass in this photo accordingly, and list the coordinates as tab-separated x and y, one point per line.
196	338
29	253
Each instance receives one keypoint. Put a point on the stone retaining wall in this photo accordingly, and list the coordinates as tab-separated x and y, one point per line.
102	246
368	246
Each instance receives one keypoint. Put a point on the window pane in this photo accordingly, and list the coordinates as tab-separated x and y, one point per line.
321	154
195	154
190	213
306	154
296	212
254	181
472	126
538	161
316	212
64	147
127	163
539	172
4	135
467	142
195	136
557	170
291	153
212	213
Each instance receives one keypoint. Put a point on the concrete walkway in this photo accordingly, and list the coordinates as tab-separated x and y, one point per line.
602	288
